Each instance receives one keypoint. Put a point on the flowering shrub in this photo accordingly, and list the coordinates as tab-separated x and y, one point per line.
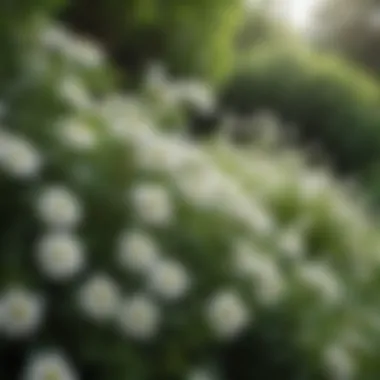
129	252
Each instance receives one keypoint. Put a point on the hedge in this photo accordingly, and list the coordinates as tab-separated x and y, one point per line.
331	104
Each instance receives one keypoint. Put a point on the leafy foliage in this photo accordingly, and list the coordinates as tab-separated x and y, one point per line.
189	37
123	244
330	103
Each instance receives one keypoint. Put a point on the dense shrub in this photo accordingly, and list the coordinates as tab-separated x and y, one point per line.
129	252
331	103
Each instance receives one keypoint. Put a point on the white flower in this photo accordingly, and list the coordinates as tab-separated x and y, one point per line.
230	190
77	135
245	258
77	49
60	256
267	279
196	94
59	207
49	366
86	53
313	185
21	312
157	153
74	93
137	251
291	243
339	364
254	215
126	117
320	278
130	130
54	37
158	85
200	374
152	203
140	317
227	315
199	184
170	279
99	297
18	157
173	155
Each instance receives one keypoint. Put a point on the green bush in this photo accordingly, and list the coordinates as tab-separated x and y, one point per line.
129	252
331	103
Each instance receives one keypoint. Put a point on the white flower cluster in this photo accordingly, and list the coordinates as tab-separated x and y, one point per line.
140	317
179	93
152	204
291	243
158	85
137	251
21	312
262	270
200	186
126	117
140	314
58	207
169	279
227	314
76	134
49	365
100	297
254	215
79	50
74	93
339	363
322	279
200	179
60	254
172	156
155	153
195	94
200	374
18	157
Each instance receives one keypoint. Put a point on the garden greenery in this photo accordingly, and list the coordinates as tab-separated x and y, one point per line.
128	251
331	103
192	37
